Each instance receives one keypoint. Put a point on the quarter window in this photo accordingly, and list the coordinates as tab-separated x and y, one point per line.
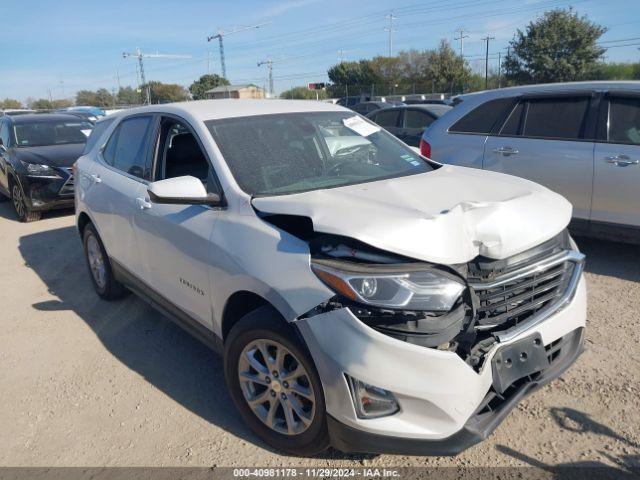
512	125
624	120
483	118
556	118
127	147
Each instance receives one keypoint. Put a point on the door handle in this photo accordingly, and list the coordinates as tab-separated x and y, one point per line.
621	160
143	204
506	151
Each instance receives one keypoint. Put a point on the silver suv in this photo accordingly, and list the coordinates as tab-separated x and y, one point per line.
581	140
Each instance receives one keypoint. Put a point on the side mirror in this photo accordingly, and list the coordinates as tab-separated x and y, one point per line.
182	191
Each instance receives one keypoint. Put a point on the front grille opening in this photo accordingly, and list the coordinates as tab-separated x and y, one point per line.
553	350
509	304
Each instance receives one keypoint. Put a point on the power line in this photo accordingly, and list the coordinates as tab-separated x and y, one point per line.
461	37
486	62
390	29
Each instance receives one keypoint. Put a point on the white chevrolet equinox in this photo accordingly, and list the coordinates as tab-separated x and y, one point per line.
363	296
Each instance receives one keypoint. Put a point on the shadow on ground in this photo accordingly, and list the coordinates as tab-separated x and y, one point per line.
627	466
611	259
136	334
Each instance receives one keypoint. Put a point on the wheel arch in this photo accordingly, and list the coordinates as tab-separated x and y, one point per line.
82	222
240	304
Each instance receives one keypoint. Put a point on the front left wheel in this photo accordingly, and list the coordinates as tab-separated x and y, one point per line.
20	205
274	383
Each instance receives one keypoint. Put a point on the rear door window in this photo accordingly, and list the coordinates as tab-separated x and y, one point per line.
482	119
127	149
387	118
417	119
624	120
561	118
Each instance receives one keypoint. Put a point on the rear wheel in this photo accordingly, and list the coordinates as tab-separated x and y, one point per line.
274	383
20	205
104	282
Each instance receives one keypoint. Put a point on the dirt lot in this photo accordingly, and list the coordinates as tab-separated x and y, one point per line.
89	383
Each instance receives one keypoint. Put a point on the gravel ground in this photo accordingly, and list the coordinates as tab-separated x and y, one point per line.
89	383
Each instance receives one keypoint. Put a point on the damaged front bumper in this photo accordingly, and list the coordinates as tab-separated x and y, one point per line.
446	405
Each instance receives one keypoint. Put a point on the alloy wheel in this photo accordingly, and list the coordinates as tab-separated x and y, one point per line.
96	261
18	201
277	387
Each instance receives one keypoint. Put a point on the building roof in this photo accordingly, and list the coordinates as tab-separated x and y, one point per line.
229	88
203	110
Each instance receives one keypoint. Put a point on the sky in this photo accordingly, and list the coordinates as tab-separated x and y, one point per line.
52	49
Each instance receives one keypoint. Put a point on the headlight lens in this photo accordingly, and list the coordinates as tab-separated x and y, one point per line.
422	289
38	170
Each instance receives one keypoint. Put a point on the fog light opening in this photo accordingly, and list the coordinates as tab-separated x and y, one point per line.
371	401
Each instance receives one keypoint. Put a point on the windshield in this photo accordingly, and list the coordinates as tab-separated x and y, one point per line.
55	132
297	152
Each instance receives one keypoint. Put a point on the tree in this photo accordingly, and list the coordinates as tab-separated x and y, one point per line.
10	103
204	83
303	93
62	103
166	92
360	74
40	104
559	47
100	98
128	96
86	97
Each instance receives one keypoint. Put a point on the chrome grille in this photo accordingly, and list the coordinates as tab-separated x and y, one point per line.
69	187
515	298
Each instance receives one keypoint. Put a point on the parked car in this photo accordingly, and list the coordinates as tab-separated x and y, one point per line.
36	155
417	101
364	108
408	122
91	114
581	140
362	296
352	101
15	111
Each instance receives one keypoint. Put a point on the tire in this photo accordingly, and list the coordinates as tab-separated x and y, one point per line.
23	212
265	327
99	265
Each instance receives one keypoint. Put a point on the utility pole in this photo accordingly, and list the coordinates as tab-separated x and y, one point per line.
461	37
139	55
486	62
221	34
269	64
341	53
390	29
499	69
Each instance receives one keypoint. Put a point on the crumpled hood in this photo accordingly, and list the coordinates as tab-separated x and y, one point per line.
53	155
447	216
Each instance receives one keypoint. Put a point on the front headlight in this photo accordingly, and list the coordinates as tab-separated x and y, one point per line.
38	170
399	287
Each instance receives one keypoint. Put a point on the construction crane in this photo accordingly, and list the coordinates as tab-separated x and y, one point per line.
139	55
269	63
221	34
